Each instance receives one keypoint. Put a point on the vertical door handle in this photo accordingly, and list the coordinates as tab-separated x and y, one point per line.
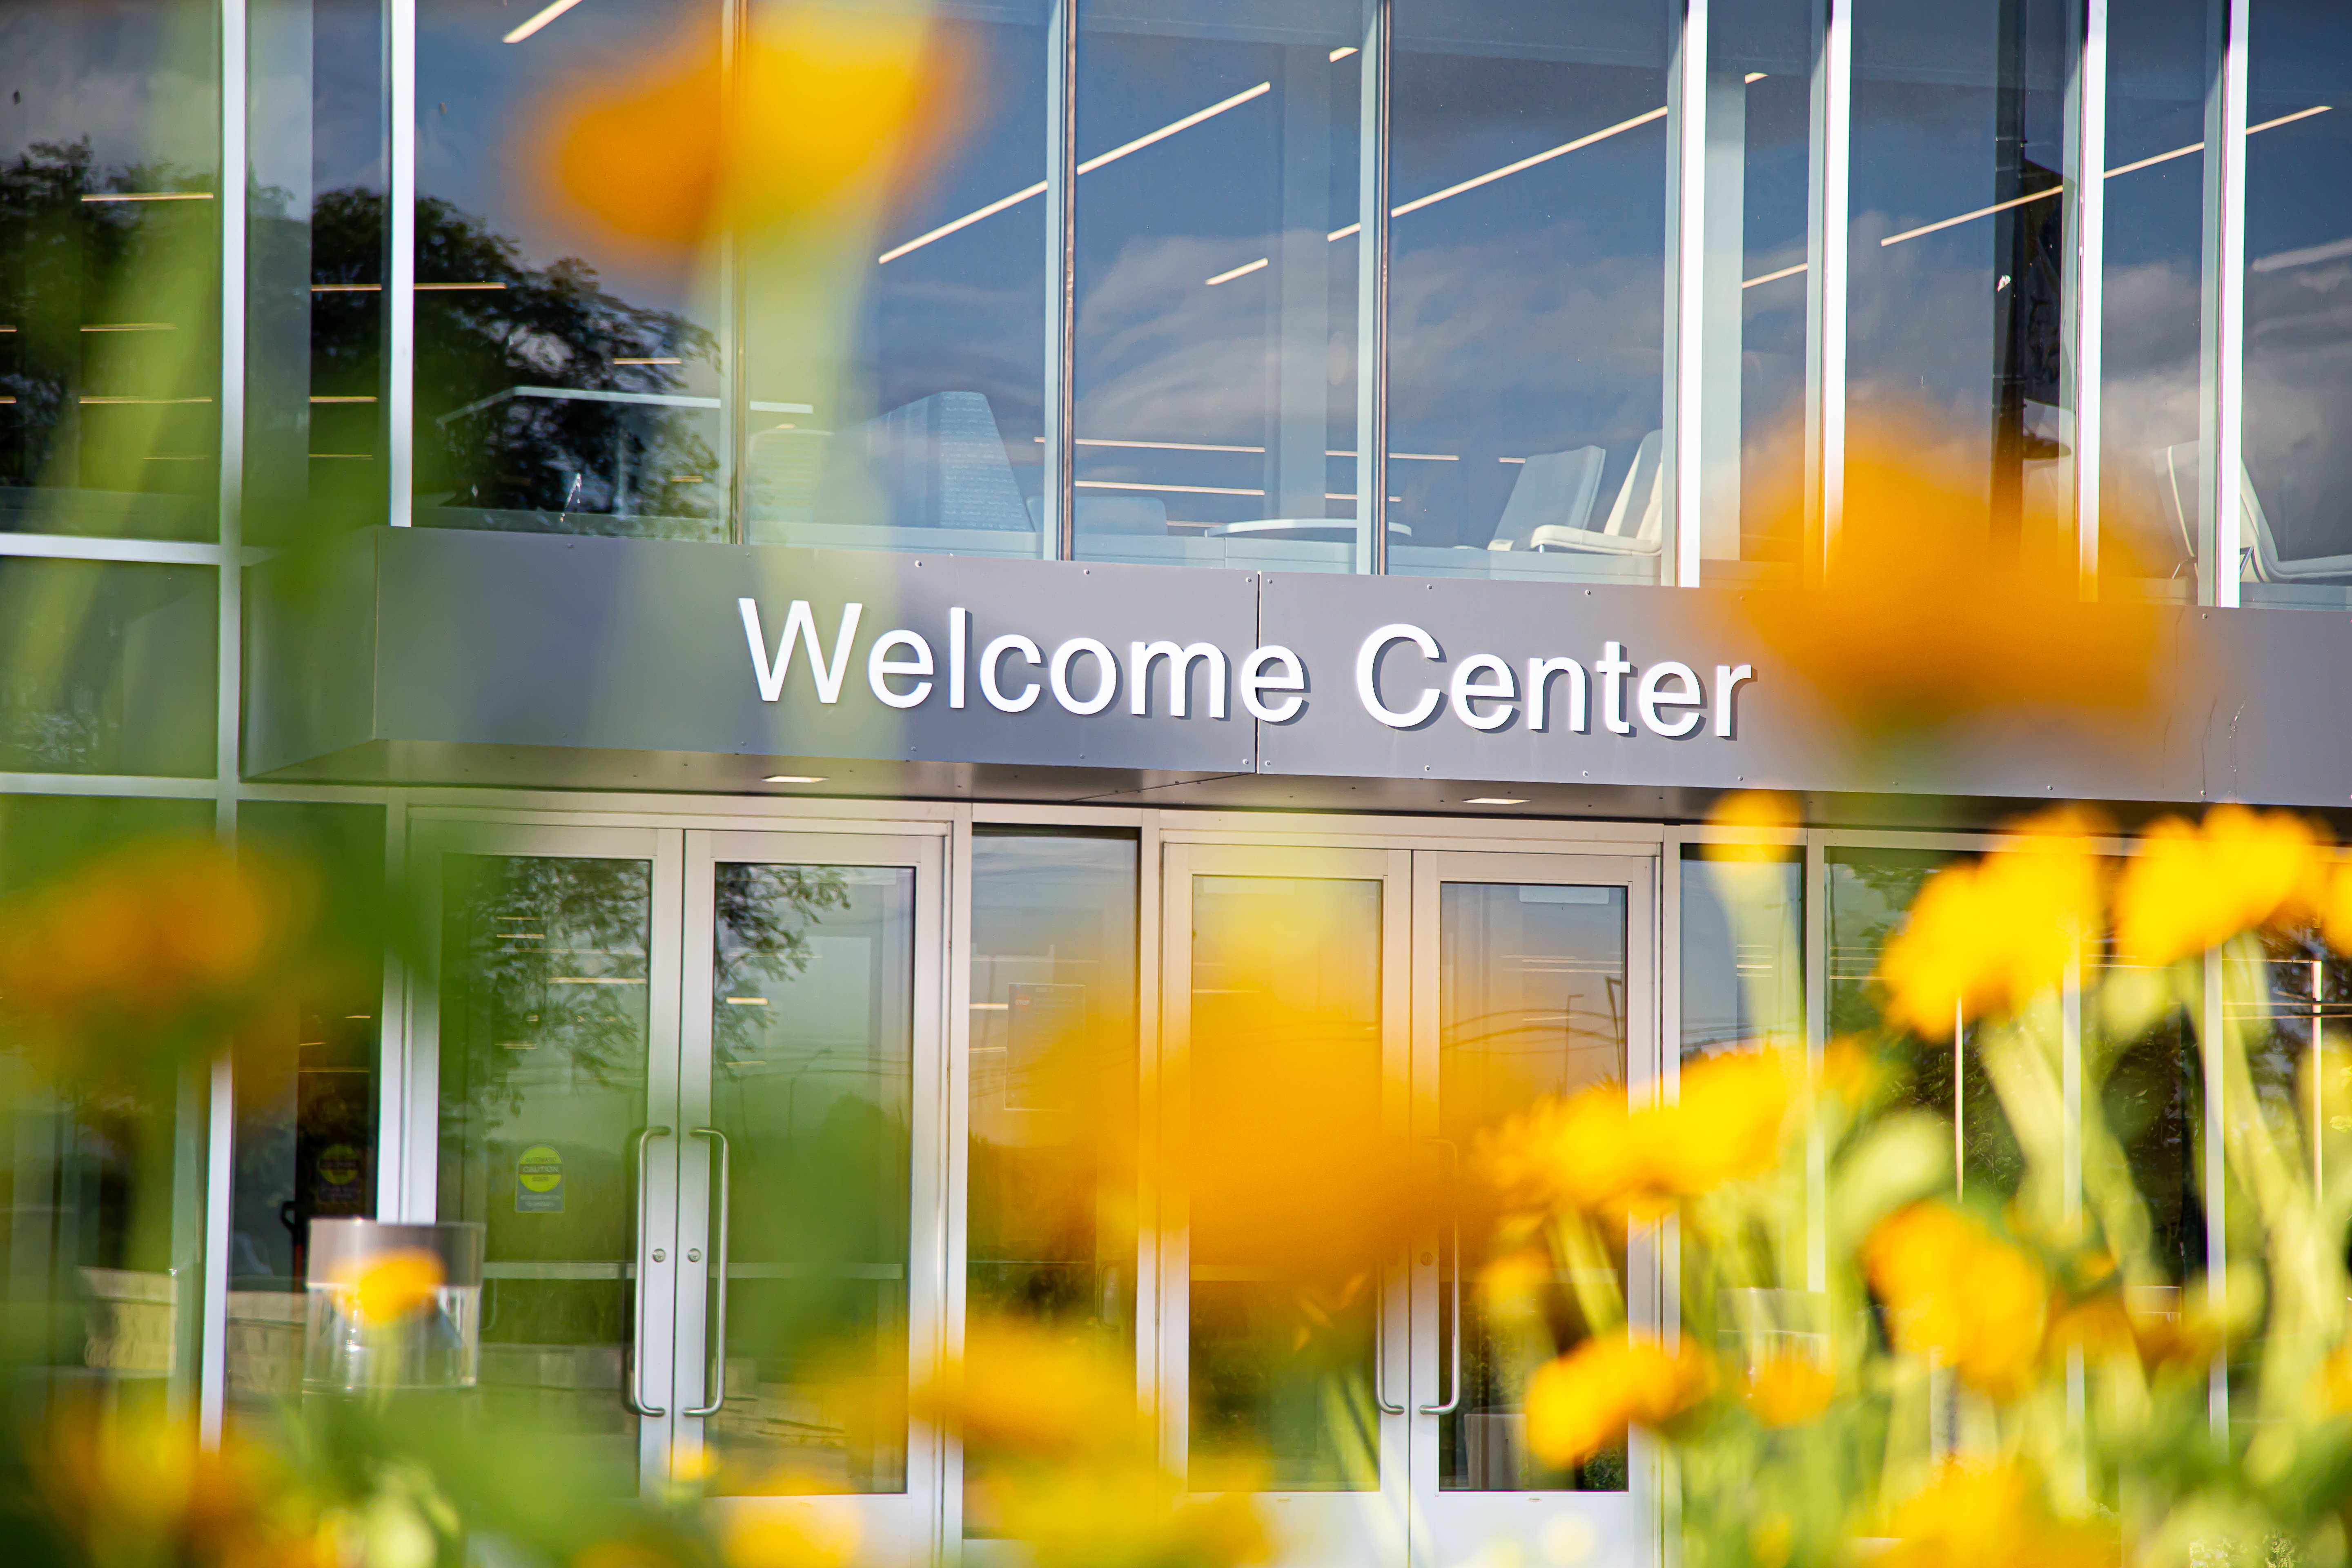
636	1391
1380	1343
1453	1212
715	1379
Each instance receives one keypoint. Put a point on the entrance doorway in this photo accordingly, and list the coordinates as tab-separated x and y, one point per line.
1340	1027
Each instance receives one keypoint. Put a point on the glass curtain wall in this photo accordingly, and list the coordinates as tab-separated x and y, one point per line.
2295	535
110	268
1956	253
1743	971
315	449
1529	174
1218	231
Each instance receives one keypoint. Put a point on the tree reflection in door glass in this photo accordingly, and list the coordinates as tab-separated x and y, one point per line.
544	1005
811	1036
1532	1005
1285	1176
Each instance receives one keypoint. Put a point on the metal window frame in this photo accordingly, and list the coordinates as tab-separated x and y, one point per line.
1058	530
2084	367
1372	288
1678	558
1828	199
2220	445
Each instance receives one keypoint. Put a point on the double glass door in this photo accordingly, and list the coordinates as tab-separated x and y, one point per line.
1340	1027
680	1077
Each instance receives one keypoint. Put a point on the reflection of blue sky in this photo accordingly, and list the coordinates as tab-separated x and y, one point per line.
136	79
316	123
2299	279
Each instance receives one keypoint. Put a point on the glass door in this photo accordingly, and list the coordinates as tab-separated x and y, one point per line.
1532	979
812	1202
1281	1107
548	1036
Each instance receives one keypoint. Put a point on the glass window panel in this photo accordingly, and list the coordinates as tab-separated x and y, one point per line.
1051	1184
305	1093
545	975
2154	293
1527	289
1286	999
896	369
110	268
107	668
1870	893
567	376
1531	1005
1954	251
2151	1098
2296	539
98	1190
1216	282
315	254
1752	370
1743	948
812	1080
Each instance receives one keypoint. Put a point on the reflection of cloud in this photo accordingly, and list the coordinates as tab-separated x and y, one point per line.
116	74
2298	398
1162	355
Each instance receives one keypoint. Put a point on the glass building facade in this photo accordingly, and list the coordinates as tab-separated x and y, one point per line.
1549	291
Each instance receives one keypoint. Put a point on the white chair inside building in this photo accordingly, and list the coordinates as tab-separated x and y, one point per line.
2258	555
1551	504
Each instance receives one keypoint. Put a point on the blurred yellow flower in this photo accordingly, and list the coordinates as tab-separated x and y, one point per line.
1954	1290
1977	1516
397	1285
1991	935
823	101
1581	1403
1591	1154
1767	814
135	1488
1131	1512
2335	1382
814	1535
1788	1390
2190	886
1021	1388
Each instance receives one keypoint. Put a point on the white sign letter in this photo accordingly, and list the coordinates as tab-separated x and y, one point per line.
1107	674
1368	690
988	657
1140	655
800	624
1654	697
880	667
1254	680
1468	691
1614	667
959	643
1540	674
1727	679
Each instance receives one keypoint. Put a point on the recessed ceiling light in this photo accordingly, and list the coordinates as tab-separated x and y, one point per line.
793	778
1495	800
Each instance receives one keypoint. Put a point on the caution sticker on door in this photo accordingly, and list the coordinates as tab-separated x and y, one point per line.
538	1181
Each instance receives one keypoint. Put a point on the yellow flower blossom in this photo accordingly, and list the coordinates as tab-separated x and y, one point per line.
1592	1154
1579	1404
1954	1290
2335	1382
1991	935
817	1537
2191	887
1021	1389
397	1285
1764	813
1975	1516
1788	1390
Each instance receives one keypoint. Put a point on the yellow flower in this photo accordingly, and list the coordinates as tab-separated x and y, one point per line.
1130	1512
1581	1403
1975	1516
1959	1292
1788	1390
1023	1389
397	1285
1765	812
1591	1154
1994	934
2194	886
2335	1382
819	1536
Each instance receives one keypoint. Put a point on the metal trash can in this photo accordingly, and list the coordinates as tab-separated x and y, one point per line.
393	1306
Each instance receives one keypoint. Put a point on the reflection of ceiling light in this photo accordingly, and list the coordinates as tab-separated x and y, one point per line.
1495	800
1754	76
648	361
541	20
1246	267
1342	52
794	778
746	1001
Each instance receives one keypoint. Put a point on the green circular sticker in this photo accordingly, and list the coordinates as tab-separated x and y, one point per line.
340	1166
540	1169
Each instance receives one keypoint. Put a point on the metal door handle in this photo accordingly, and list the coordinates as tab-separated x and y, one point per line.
714	1378
1381	1345
636	1391
1453	1208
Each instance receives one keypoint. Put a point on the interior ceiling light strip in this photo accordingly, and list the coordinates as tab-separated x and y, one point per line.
539	21
150	196
1089	167
1182	489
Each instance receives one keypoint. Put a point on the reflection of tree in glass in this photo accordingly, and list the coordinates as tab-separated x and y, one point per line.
65	264
515	926
764	914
